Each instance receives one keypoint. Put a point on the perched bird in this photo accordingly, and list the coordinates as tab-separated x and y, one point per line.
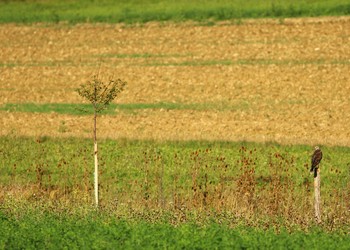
315	160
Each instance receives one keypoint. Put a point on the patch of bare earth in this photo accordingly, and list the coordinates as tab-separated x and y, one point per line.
287	82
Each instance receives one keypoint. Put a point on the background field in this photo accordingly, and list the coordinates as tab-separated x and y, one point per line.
209	145
257	81
155	10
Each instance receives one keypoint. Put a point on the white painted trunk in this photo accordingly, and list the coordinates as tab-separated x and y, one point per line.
96	174
95	155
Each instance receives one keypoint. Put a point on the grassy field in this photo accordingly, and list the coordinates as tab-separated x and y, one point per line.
155	10
255	182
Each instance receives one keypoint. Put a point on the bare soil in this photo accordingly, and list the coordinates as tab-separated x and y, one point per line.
286	80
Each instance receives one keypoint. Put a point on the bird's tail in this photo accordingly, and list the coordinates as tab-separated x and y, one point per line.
314	169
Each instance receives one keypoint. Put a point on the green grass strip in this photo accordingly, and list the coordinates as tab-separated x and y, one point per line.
144	55
154	10
48	230
261	62
60	108
193	63
86	109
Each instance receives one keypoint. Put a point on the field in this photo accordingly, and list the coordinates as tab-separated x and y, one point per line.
208	147
110	11
258	81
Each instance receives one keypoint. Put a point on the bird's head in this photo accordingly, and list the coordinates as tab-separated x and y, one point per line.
317	148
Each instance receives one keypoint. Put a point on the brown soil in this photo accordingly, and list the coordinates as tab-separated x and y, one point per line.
288	82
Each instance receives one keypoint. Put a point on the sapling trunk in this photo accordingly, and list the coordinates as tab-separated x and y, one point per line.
96	159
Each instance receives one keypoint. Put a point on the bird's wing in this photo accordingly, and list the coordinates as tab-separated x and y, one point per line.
316	157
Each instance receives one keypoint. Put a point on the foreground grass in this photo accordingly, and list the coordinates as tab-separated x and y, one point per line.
154	10
38	229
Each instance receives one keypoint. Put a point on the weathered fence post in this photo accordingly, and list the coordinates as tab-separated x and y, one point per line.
317	184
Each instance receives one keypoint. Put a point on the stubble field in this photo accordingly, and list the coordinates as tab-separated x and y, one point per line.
263	80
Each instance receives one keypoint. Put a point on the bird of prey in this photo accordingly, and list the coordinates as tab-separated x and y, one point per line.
315	160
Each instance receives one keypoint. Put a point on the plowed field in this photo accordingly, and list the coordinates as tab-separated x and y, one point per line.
283	80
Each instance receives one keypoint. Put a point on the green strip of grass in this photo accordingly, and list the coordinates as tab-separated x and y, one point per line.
38	230
37	64
61	108
155	10
194	63
248	62
145	55
191	63
81	109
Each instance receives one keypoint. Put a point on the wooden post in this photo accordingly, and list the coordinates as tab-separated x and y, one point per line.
317	184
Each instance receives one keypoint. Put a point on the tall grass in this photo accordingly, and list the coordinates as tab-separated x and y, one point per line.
155	10
265	185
